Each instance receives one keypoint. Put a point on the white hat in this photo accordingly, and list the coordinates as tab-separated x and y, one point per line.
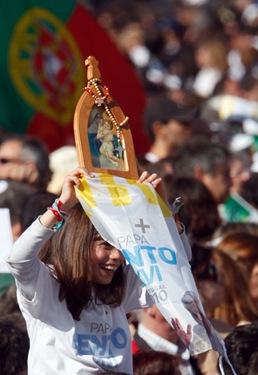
62	162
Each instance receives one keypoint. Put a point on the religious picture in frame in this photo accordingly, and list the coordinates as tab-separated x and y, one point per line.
105	149
102	135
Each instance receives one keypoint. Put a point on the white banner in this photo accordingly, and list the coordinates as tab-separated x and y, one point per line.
6	238
133	218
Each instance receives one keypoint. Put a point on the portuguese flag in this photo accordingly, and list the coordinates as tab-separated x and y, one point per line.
43	47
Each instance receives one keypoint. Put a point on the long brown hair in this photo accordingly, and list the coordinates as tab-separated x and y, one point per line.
69	255
242	247
237	304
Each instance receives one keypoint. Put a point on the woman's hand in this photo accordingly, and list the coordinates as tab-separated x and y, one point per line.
153	179
72	180
156	183
68	197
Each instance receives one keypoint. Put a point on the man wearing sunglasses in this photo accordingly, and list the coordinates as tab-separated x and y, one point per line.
23	158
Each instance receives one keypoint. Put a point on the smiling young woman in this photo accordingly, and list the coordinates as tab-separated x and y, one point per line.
75	290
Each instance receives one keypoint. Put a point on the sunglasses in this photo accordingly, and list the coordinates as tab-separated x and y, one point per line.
6	161
210	273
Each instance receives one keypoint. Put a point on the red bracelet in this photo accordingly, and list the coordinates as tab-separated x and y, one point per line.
55	212
59	203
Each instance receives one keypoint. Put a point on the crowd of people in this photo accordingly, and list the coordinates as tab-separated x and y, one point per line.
198	63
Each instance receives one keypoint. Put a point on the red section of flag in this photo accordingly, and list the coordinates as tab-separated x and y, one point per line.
117	74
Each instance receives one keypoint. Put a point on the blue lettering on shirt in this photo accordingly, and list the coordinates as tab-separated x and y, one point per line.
101	346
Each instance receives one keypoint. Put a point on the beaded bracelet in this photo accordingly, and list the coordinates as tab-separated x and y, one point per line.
59	214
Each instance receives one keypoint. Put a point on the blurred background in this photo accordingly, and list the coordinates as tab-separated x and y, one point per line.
197	52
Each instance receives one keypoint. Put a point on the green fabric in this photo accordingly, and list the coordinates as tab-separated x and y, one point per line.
236	209
6	279
16	111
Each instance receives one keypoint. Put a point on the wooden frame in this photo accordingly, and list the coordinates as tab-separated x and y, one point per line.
102	135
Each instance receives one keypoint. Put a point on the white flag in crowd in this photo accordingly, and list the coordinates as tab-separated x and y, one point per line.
133	218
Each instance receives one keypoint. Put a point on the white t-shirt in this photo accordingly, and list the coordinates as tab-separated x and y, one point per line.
98	343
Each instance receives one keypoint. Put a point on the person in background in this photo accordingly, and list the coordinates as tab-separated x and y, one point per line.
249	190
237	306
9	306
13	195
209	283
155	363
242	349
242	248
211	59
199	211
24	158
14	347
239	170
228	228
167	125
155	333
208	162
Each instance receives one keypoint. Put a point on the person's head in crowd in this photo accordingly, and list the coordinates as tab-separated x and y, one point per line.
155	363
167	125
237	306
249	82
25	158
242	248
249	190
152	319
208	162
211	58
13	195
34	206
14	347
231	227
65	246
239	170
242	350
155	333
199	212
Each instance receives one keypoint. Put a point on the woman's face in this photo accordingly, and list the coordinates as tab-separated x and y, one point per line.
107	260
98	118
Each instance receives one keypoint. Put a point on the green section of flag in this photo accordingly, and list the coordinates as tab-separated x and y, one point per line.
236	209
15	113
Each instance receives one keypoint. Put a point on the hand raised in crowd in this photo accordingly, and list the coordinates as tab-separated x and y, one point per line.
153	179
156	183
185	337
72	180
